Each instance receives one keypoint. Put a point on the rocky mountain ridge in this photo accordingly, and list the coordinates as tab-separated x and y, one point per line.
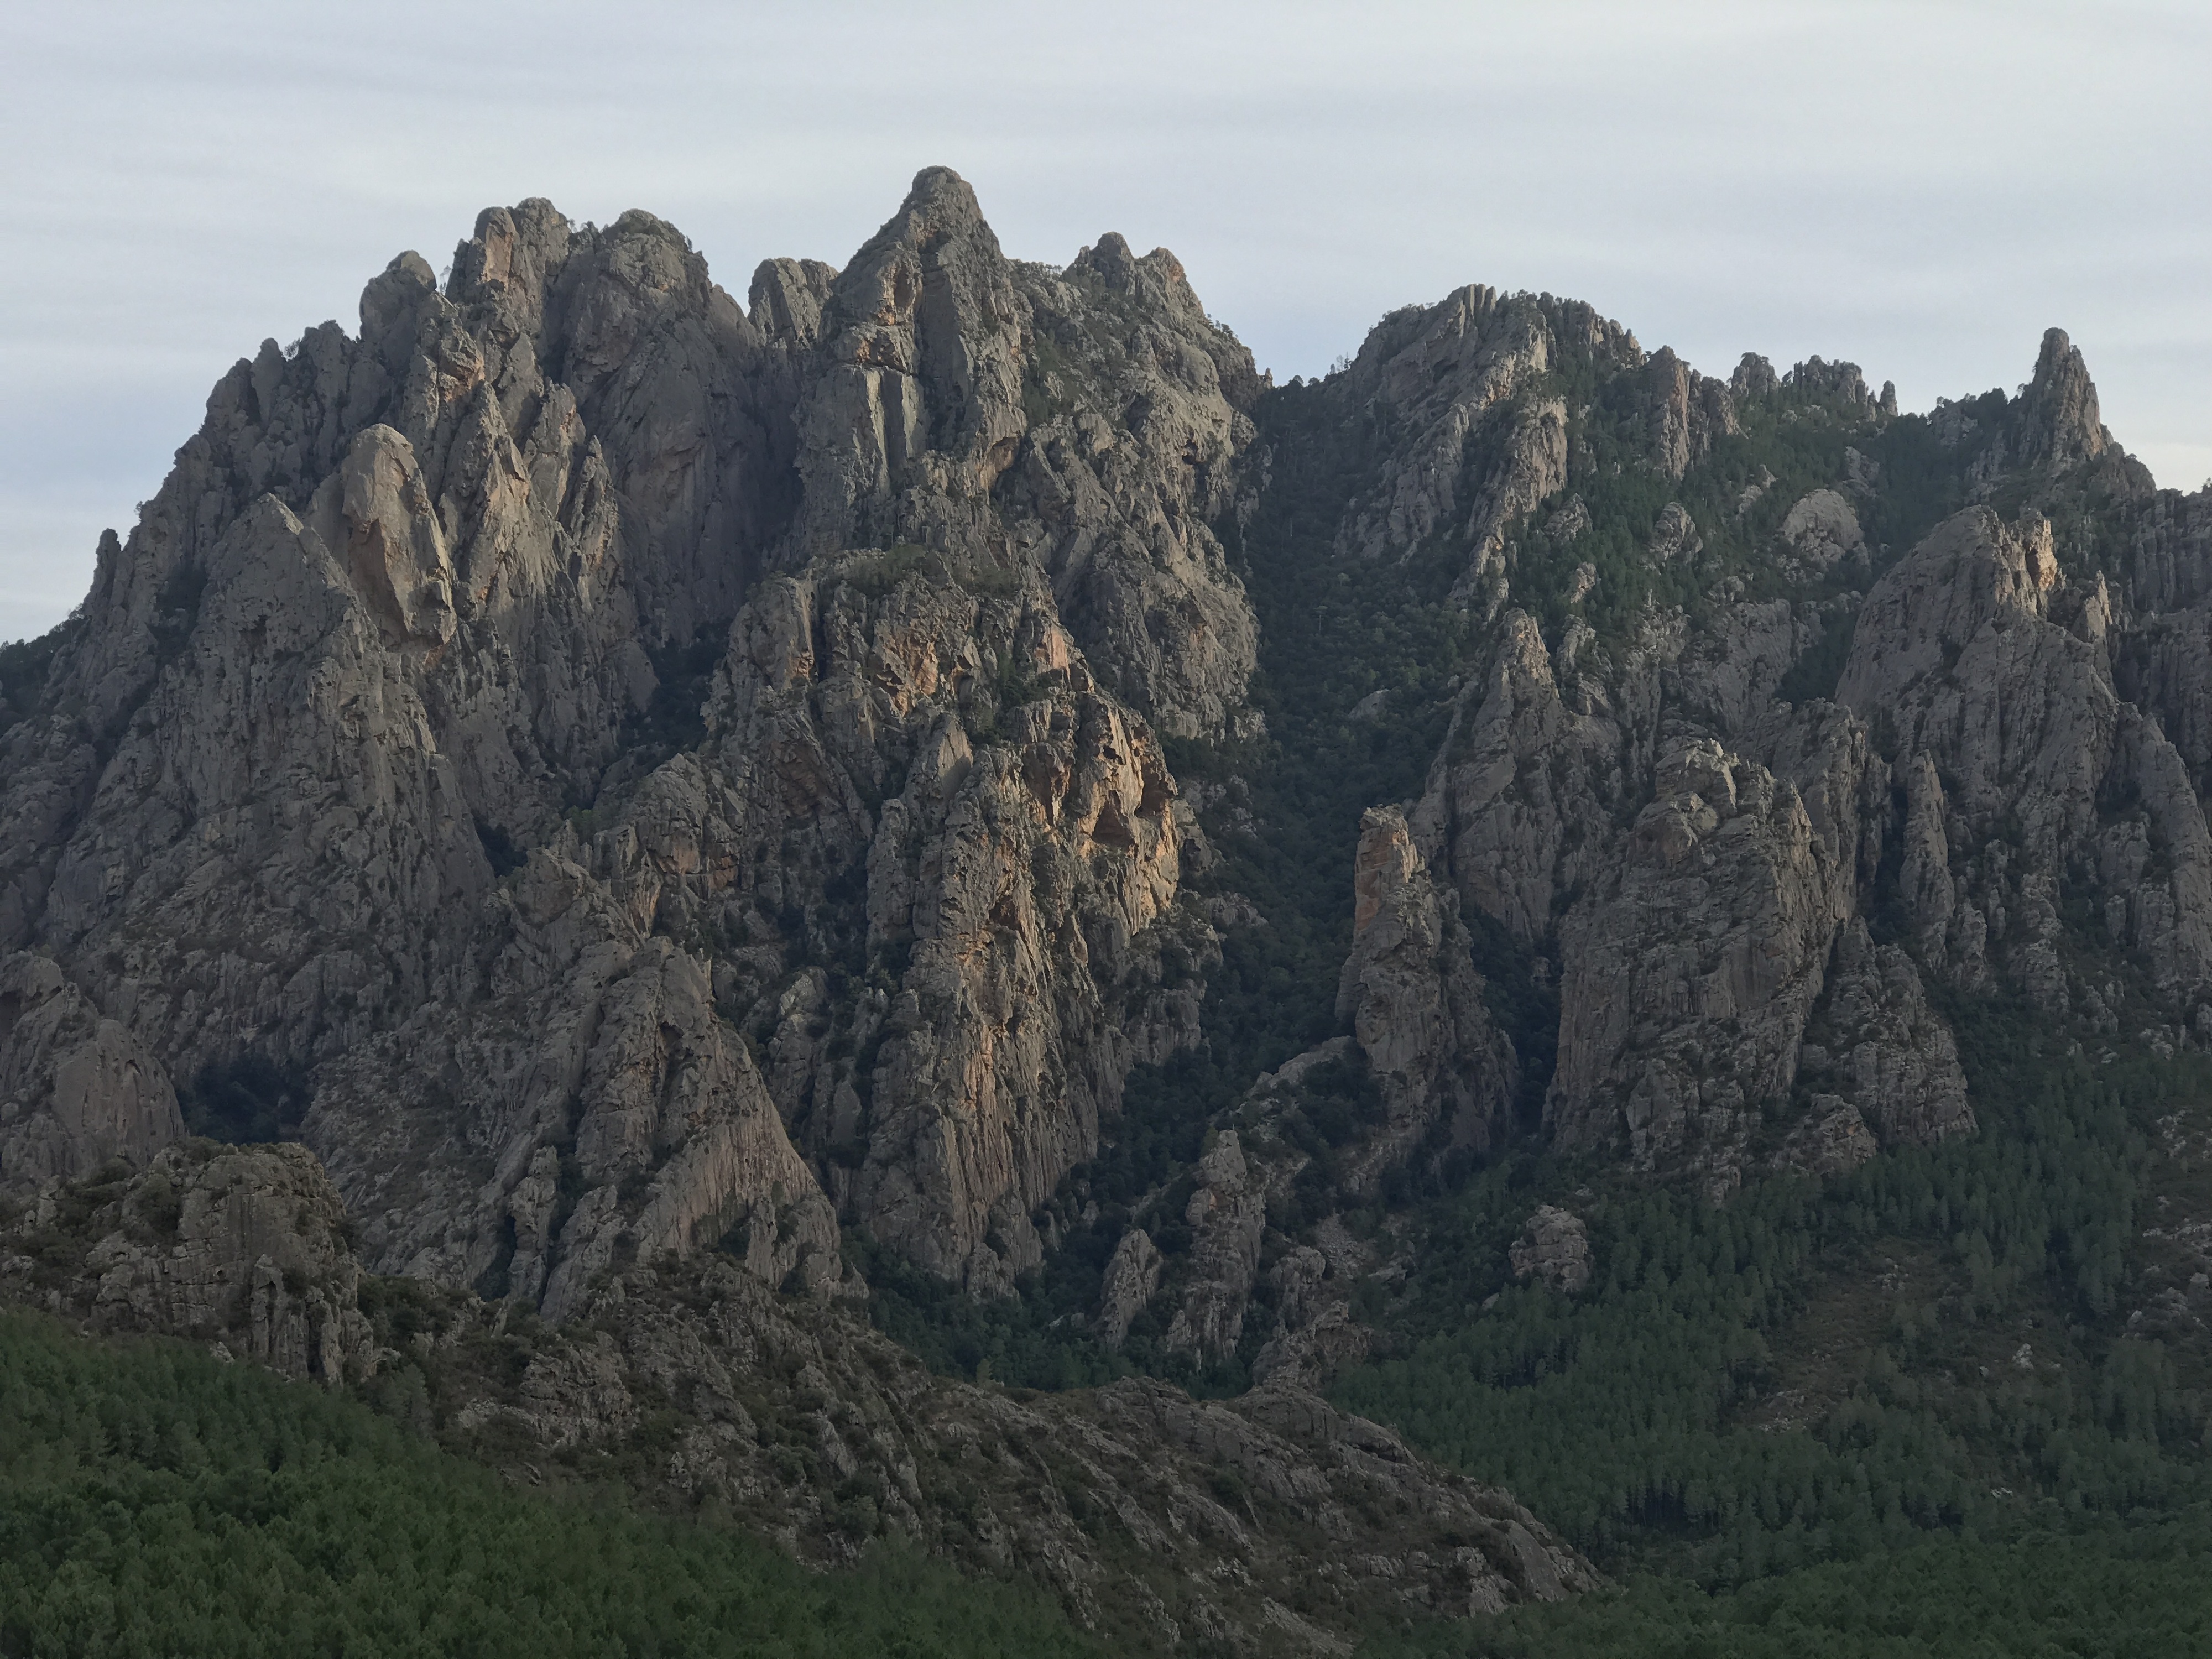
653	792
408	590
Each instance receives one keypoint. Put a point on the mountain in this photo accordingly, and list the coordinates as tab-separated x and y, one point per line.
940	804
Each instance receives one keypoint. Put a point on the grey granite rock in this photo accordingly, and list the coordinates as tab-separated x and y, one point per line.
245	1248
1686	985
1553	1249
1227	1215
77	1089
423	611
1132	1275
1417	1007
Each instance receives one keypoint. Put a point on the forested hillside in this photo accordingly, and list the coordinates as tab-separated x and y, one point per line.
2105	1591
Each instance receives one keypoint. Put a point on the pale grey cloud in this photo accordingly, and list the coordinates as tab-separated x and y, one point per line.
1921	188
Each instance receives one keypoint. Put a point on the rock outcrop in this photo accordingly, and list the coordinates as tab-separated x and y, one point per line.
1010	893
1686	983
1520	801
1554	1249
648	789
1316	1335
77	1089
917	785
1821	532
1681	413
1740	956
1132	1275
1417	1008
2055	422
607	1114
1990	673
1082	423
1227	1215
1878	1052
1479	436
663	772
245	1248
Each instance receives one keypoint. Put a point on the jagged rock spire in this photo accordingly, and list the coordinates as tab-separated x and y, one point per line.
2055	421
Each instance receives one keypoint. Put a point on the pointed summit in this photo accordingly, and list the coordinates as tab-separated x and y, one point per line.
940	209
937	239
2055	421
940	190
1111	260
925	328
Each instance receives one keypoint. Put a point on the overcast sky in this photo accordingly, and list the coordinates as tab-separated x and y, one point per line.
1920	188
